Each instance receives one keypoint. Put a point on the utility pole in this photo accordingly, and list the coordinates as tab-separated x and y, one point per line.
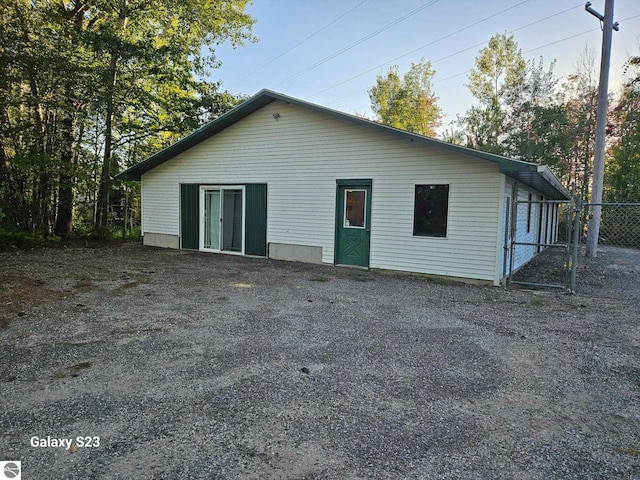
601	125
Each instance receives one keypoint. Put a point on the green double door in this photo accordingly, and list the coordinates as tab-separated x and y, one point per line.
353	222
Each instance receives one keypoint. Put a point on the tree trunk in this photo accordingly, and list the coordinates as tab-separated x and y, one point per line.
105	176
42	184
7	210
64	217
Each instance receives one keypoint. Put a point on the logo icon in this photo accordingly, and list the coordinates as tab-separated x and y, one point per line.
10	470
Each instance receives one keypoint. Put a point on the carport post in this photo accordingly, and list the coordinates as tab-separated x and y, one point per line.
576	243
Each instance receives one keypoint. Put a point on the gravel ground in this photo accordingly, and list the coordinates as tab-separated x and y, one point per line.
193	365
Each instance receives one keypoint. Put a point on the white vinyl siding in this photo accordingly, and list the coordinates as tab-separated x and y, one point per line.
301	155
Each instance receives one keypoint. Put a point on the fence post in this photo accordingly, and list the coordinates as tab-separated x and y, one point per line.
513	227
576	243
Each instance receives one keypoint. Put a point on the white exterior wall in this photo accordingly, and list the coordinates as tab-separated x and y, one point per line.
301	155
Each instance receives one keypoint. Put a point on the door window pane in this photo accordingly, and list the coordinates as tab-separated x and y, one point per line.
355	202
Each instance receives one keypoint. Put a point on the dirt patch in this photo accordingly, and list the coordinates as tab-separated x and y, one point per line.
194	365
18	293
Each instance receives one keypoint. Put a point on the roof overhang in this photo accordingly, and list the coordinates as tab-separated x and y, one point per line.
210	129
535	176
543	180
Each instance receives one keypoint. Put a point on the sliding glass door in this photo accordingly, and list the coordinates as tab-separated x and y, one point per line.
232	221
222	215
212	219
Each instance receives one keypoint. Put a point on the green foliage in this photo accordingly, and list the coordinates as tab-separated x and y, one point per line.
622	170
536	125
497	81
500	69
620	226
87	87
522	114
484	128
407	103
536	302
12	239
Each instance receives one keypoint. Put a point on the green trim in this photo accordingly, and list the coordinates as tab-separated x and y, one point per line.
256	219
354	183
190	216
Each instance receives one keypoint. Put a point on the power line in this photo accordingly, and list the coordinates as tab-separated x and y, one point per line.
460	51
528	51
356	43
483	43
538	48
562	40
420	48
302	41
546	18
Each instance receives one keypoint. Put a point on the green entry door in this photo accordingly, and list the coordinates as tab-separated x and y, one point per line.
353	222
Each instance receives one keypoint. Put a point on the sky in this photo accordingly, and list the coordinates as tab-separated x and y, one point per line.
329	52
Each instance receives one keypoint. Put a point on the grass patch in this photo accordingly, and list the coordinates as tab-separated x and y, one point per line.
629	451
355	276
361	278
319	279
438	280
128	285
536	302
80	366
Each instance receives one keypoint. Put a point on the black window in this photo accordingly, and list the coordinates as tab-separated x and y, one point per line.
430	210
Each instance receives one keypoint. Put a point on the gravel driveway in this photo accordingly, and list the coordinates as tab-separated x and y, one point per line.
194	365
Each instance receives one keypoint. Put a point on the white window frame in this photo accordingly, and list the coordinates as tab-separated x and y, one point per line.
221	188
344	208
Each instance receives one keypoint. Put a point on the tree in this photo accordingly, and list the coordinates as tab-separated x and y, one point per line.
537	125
499	71
137	37
579	98
86	85
622	171
407	103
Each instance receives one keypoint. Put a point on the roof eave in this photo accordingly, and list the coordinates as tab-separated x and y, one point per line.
550	177
256	102
508	166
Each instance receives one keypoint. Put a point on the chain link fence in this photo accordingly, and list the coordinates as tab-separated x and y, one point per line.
540	259
619	224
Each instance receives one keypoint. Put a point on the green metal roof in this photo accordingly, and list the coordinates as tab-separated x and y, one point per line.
540	178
